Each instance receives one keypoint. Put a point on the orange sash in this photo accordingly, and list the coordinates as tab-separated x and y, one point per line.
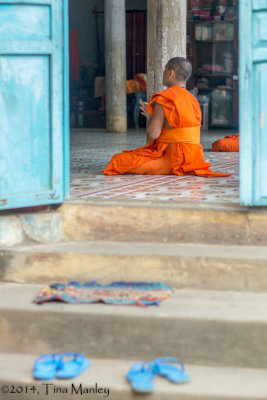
180	135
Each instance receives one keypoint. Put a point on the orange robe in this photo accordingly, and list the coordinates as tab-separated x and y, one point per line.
177	151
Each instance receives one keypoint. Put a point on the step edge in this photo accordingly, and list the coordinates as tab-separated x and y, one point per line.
225	307
118	382
147	249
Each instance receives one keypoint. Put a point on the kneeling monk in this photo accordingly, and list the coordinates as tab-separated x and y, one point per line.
173	127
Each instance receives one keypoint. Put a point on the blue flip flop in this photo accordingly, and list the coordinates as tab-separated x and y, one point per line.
46	366
170	371
141	376
72	367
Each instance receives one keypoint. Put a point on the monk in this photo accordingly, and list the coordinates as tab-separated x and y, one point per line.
173	127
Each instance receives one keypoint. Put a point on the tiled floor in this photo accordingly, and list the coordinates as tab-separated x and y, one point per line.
91	151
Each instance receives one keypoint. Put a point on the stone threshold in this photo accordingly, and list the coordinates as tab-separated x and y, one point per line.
53	226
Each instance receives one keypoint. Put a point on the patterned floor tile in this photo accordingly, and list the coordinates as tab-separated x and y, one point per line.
91	151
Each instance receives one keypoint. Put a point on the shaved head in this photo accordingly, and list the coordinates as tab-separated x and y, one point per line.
181	67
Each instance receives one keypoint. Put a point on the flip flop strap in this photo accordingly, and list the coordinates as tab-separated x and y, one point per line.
46	356
136	367
157	361
145	365
78	357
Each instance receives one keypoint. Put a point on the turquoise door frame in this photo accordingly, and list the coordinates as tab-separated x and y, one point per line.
34	102
253	104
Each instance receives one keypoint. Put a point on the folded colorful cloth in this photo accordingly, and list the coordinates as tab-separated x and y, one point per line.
228	143
119	293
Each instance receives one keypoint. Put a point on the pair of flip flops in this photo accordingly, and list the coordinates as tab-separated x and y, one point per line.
60	366
141	375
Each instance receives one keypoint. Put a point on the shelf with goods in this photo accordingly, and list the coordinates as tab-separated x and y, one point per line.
208	89
212	48
213	41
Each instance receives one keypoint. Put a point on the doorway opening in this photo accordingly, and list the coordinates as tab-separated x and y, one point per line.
212	48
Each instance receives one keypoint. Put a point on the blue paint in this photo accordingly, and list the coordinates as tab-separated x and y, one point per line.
33	22
260	115
34	135
258	5
260	29
25	121
253	106
66	99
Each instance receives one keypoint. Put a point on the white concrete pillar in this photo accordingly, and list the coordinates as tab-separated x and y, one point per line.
166	38
115	48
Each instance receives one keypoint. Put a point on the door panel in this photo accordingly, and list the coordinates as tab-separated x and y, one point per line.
260	115
253	105
24	108
33	103
33	22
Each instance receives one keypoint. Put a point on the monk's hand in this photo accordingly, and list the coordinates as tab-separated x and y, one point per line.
143	109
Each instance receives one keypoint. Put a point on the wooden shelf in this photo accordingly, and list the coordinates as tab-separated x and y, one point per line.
214	75
219	39
215	41
216	88
217	21
229	126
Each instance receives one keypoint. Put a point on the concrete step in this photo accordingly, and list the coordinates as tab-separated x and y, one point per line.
199	327
197	266
135	221
40	227
107	377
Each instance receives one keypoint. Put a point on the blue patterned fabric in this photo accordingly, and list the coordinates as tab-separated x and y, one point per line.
119	292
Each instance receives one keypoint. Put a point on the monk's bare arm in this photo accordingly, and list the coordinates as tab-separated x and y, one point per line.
143	109
155	124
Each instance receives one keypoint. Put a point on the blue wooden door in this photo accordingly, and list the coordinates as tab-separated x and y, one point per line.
34	128
253	103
